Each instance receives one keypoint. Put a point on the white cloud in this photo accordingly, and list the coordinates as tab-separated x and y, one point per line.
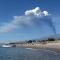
36	12
45	13
26	19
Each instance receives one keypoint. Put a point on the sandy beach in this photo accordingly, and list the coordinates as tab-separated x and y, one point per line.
55	46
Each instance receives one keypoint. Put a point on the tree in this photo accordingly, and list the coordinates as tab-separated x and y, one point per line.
30	41
51	39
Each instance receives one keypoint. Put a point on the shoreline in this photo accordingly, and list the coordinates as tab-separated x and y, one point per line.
52	46
49	46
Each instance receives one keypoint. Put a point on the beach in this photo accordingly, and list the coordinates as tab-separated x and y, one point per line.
54	46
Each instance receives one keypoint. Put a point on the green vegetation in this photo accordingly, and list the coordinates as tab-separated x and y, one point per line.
51	39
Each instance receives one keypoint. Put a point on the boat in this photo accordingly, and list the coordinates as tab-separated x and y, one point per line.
6	46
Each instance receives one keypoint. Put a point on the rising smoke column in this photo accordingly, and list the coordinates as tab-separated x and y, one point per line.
45	21
48	20
34	16
52	26
43	16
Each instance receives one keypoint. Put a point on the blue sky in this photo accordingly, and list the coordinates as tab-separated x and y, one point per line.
18	24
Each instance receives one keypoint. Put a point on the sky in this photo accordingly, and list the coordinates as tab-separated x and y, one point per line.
28	19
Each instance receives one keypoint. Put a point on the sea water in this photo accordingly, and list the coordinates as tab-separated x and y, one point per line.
27	54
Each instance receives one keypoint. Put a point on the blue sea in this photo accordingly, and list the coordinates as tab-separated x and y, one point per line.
27	54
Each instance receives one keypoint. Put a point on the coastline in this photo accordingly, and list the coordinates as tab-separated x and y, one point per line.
49	46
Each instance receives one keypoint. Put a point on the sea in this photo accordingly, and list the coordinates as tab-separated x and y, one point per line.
27	54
